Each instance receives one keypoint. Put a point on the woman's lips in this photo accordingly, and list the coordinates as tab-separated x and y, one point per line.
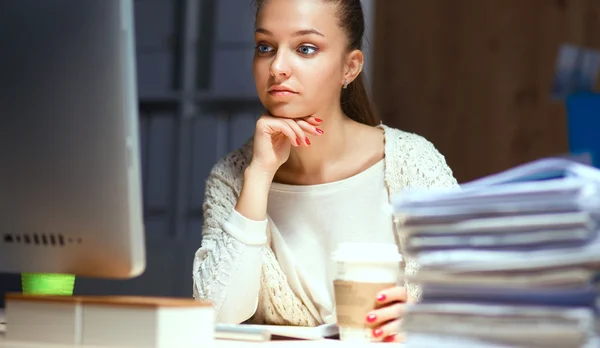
282	93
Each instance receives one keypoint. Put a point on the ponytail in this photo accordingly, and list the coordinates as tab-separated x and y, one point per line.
357	104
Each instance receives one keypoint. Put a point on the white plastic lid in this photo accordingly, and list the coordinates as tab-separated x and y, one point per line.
367	252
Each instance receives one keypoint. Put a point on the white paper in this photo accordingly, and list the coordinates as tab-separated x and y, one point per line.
525	236
306	333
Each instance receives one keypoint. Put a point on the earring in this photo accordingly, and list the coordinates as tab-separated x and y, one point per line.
345	84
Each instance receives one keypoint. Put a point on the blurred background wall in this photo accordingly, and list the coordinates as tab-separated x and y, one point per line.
472	76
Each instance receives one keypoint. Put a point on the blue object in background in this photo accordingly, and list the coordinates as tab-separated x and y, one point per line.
583	121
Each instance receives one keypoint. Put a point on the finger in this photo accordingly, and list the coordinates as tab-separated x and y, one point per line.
395	294
385	314
307	127
300	135
399	338
388	329
315	121
283	127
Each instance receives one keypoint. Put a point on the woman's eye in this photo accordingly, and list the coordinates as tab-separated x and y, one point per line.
307	50
264	48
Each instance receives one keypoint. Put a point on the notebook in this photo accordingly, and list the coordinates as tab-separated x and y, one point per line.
267	332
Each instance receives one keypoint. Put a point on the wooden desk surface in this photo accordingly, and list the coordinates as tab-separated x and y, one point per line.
217	344
222	344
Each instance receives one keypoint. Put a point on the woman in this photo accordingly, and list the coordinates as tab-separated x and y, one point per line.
319	170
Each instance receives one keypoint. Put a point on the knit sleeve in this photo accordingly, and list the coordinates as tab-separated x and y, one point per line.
421	164
434	171
416	164
227	266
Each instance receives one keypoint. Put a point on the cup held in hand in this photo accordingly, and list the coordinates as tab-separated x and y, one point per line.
362	270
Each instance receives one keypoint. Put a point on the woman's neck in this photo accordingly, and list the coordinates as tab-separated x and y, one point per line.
315	161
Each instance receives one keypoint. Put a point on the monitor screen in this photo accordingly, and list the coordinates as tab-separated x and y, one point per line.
70	192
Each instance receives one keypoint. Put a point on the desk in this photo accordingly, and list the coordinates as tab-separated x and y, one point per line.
232	344
217	343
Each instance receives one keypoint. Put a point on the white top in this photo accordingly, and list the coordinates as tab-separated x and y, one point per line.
308	222
312	220
233	248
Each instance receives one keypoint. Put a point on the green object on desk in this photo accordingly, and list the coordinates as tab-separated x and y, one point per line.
47	284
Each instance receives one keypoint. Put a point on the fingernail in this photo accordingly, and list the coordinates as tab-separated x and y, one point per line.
297	141
307	141
371	318
320	131
381	297
377	333
318	120
390	338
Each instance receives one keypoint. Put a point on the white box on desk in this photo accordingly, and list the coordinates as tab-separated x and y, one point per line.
160	323
43	321
109	321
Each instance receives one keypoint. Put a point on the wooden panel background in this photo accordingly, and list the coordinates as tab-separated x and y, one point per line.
473	76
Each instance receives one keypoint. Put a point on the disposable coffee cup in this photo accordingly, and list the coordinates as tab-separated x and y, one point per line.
362	270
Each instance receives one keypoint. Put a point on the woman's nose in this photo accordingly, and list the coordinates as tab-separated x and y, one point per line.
280	65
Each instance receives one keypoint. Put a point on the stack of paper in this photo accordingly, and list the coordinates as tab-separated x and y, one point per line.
507	260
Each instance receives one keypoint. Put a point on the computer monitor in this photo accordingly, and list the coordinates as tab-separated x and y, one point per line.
70	192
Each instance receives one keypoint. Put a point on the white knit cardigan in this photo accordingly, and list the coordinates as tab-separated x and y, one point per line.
410	162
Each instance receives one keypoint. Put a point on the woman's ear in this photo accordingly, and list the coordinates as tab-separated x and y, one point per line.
354	66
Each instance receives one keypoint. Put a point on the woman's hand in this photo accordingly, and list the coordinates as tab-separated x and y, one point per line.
386	319
274	138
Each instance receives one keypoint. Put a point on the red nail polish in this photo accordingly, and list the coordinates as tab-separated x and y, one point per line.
307	141
381	297
377	333
318	120
320	131
297	141
371	318
390	338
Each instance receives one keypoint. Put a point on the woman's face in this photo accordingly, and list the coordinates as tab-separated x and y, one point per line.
299	58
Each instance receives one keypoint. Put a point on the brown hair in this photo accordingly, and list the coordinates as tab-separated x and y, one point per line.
355	100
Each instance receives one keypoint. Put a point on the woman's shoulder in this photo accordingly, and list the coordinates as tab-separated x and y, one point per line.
417	158
411	144
398	137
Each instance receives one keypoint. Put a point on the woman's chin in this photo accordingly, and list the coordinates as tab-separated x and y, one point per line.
287	112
